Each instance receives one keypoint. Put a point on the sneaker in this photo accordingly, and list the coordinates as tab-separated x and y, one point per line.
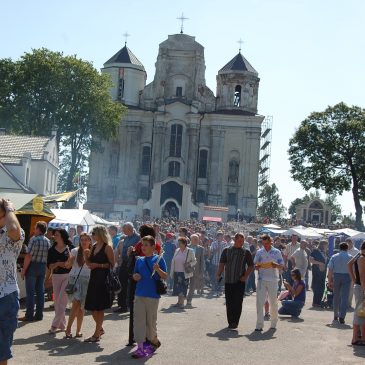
148	348
138	354
188	304
342	320
267	317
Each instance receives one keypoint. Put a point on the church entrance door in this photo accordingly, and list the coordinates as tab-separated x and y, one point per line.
170	210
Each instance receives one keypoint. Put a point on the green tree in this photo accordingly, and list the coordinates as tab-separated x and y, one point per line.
336	210
46	91
327	150
270	203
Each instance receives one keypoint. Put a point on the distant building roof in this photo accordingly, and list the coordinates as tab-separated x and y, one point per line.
125	55
13	148
238	63
17	184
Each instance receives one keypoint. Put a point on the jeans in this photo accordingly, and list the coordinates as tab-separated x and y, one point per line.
318	285
217	285
234	298
341	289
291	307
9	306
34	284
251	282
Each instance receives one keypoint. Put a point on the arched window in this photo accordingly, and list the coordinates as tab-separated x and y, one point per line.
237	96
146	160
203	164
176	140
233	171
174	169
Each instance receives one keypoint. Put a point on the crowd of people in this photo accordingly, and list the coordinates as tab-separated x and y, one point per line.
183	259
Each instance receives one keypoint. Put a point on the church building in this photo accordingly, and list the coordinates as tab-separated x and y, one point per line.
181	151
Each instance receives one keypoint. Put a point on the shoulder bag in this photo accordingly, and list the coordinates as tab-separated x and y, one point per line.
71	288
187	265
161	287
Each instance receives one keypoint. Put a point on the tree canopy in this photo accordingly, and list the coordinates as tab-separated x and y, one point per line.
270	203
327	150
46	90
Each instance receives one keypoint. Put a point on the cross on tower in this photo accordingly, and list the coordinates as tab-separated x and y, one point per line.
182	19
240	42
126	35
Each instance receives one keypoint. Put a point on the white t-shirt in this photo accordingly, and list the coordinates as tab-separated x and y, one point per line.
180	259
9	252
85	272
301	260
353	251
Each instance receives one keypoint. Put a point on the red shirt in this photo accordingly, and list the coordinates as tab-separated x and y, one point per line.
138	248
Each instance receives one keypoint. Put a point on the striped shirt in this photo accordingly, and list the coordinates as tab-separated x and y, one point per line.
38	248
290	249
236	260
217	249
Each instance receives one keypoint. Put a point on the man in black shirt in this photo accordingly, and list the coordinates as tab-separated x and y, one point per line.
237	264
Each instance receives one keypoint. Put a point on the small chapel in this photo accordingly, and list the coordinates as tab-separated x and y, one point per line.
182	150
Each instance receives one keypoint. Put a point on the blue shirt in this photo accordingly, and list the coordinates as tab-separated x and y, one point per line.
115	241
169	249
338	262
146	287
128	242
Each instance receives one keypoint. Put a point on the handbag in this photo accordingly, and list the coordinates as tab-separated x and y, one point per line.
113	283
161	287
71	288
187	266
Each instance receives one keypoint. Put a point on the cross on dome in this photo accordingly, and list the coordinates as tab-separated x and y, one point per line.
182	19
240	42
126	35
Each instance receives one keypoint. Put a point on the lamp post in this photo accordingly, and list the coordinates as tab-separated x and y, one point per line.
238	215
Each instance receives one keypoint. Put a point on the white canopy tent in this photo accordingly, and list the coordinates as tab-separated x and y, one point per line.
272	226
302	232
346	231
359	236
75	217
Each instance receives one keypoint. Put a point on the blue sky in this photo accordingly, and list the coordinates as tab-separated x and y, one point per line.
309	53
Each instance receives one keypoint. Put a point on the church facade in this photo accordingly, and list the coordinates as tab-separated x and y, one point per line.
181	150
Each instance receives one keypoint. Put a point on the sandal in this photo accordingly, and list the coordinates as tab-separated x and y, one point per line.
52	330
358	343
78	335
92	339
67	335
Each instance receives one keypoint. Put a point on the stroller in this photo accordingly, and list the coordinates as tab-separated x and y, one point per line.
327	301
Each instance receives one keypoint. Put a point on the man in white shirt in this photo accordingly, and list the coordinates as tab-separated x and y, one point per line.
352	251
11	241
268	261
288	252
300	258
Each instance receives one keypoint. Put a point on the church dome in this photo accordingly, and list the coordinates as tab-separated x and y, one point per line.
125	56
238	64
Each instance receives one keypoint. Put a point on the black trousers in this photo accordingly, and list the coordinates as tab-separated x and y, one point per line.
234	299
123	278
132	291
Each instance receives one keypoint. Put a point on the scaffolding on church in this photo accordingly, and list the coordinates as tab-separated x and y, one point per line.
265	152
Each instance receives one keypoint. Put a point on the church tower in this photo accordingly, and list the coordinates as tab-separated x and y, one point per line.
237	86
128	76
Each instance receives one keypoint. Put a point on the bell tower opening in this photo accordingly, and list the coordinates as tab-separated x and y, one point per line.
237	96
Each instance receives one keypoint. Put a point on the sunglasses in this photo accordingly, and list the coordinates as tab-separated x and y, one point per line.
93	233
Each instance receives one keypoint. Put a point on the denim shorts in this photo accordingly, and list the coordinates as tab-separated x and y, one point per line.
9	306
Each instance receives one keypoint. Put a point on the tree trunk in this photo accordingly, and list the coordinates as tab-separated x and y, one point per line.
358	208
